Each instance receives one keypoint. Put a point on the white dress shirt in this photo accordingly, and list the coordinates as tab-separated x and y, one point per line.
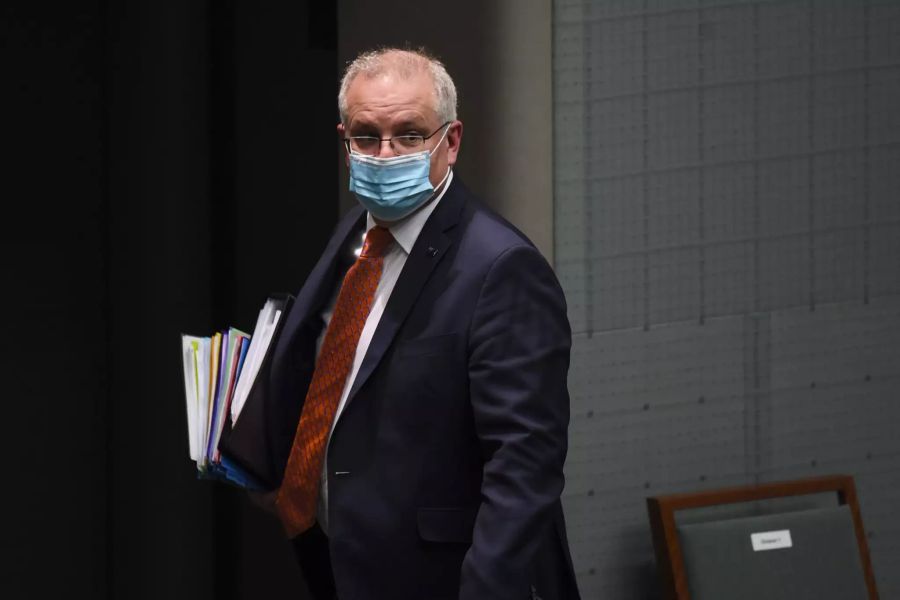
405	232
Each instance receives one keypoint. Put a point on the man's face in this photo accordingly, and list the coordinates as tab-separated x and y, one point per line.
388	105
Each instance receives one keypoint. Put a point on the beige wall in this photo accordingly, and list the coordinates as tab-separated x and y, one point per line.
499	53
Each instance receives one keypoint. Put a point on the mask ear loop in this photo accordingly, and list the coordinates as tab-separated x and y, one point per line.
435	149
444	179
440	141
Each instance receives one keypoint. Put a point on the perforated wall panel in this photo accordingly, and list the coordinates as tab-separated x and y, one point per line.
727	225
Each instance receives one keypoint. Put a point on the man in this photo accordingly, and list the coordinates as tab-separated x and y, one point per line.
422	376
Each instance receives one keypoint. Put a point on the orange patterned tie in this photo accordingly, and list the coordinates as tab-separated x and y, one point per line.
297	497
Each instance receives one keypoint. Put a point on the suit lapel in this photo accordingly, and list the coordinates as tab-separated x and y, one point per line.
427	252
321	281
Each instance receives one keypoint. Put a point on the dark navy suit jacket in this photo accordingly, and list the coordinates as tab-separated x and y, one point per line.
446	465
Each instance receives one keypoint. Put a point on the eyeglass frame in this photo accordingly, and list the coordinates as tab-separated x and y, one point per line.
390	140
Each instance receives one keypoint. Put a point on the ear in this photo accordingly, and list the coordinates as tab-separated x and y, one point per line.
454	139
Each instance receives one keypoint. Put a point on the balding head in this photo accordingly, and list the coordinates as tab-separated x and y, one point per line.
402	64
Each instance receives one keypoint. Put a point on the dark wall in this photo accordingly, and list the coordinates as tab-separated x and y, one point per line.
55	358
286	202
167	166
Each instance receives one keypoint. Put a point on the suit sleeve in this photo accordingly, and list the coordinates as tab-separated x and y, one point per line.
518	363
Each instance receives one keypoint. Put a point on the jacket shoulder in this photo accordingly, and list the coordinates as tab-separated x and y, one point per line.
486	233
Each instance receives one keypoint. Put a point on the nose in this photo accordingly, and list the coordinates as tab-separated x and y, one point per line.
385	149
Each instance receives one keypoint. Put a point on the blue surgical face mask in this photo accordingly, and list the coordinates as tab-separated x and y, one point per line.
393	188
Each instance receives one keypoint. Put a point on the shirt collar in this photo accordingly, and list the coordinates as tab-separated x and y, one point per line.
406	231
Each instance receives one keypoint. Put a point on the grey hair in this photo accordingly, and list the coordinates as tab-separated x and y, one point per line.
405	63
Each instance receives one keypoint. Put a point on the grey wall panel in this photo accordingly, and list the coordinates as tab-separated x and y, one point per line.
782	186
882	183
728	272
615	48
616	121
884	272
673	221
783	116
727	231
730	218
840	343
617	225
883	39
672	49
729	134
624	295
838	113
783	46
840	195
839	266
677	363
673	128
675	270
636	430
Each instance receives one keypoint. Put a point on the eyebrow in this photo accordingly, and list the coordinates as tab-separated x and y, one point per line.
362	126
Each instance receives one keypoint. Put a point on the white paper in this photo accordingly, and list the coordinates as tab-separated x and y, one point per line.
195	354
202	408
248	372
259	344
771	540
190	390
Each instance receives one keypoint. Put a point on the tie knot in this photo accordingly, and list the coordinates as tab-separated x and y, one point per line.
377	241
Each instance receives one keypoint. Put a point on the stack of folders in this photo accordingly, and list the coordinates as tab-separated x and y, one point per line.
219	375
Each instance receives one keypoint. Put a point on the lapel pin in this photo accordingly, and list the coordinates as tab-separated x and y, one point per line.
432	251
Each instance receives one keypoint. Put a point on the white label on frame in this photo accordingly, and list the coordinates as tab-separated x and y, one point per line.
771	540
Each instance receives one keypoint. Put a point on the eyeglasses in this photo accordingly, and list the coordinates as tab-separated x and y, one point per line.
400	144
